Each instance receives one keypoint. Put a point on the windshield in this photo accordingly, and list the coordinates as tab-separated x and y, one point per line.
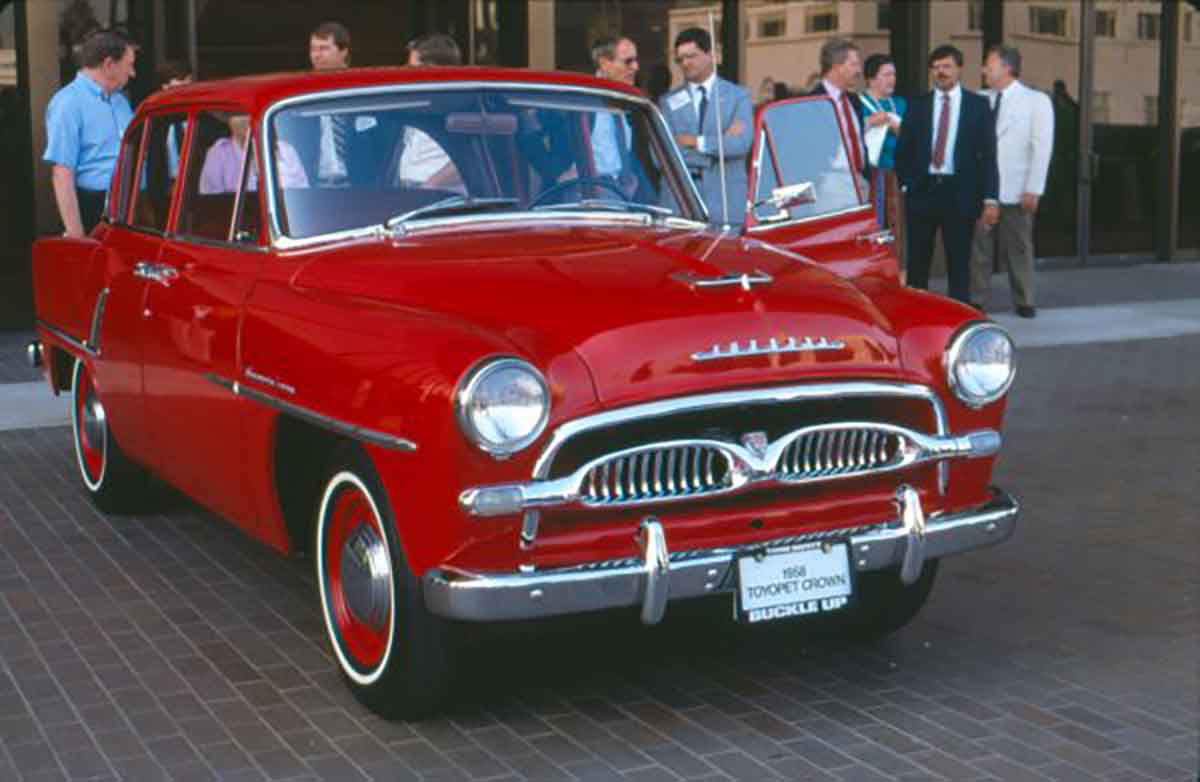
389	157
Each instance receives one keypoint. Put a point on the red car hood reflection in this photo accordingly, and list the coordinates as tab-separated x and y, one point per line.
629	303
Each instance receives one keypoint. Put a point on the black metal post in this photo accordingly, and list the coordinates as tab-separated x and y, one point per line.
910	46
1166	217
731	40
1087	163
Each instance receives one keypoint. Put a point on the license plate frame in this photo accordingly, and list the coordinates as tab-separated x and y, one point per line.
825	566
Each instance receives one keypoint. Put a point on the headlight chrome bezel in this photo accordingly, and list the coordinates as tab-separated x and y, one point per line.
954	353
469	386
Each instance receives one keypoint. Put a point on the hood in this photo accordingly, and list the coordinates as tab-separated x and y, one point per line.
637	305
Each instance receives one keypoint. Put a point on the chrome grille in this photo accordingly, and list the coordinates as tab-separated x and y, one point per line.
655	472
836	451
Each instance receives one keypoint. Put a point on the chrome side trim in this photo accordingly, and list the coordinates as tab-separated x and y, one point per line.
371	436
529	593
683	470
98	320
275	234
80	346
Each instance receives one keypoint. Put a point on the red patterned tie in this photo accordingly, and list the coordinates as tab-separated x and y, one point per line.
939	146
852	133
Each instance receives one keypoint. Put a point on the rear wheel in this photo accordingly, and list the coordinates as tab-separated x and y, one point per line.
391	650
114	483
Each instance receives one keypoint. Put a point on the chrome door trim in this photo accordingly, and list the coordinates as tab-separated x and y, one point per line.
79	345
372	436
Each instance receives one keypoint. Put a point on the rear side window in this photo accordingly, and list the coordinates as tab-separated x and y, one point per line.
216	165
159	172
118	196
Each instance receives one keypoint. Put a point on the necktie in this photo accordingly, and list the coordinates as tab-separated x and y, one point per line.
996	108
943	130
852	133
703	107
340	128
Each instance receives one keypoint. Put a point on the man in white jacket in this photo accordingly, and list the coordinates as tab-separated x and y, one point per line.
1024	141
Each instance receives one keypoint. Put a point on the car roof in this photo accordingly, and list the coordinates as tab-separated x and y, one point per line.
255	93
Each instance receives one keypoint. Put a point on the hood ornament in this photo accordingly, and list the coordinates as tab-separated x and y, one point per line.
773	346
744	281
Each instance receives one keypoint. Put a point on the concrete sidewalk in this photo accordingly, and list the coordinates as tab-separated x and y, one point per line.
1076	307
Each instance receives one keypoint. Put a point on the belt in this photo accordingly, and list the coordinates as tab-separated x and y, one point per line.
696	173
940	179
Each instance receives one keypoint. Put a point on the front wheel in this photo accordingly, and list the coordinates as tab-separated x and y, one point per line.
391	650
885	604
114	483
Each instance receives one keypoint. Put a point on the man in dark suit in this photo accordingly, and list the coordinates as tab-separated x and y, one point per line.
841	67
946	164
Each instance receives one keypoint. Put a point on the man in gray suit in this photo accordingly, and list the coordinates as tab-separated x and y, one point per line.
691	112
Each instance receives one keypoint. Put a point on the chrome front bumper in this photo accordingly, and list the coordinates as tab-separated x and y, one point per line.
659	575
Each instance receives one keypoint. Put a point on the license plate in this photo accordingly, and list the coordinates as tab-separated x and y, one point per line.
794	581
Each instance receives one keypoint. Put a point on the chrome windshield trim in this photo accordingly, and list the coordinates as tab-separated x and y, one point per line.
337	426
79	345
276	235
802	220
746	469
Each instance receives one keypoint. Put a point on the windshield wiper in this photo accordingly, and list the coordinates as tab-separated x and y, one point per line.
608	203
453	205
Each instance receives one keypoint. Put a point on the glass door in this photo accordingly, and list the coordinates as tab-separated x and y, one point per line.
16	217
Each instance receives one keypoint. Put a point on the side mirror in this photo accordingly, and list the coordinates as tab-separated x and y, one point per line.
790	195
784	198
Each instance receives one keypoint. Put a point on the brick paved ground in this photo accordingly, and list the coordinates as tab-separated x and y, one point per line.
169	646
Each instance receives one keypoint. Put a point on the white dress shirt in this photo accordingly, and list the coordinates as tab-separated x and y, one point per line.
951	133
329	165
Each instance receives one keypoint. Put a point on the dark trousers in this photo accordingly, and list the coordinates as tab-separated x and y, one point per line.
927	212
91	207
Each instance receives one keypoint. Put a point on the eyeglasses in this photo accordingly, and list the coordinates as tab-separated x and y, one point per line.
681	59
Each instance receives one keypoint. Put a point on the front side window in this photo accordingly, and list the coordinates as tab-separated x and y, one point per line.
350	163
159	172
218	163
820	161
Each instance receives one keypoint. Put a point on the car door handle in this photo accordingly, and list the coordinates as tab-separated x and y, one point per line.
160	273
878	238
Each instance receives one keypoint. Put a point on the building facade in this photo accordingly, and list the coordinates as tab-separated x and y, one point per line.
1124	77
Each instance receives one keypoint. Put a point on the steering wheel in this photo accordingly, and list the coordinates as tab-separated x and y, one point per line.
558	187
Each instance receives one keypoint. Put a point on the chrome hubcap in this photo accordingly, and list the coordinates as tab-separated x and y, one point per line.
93	422
367	577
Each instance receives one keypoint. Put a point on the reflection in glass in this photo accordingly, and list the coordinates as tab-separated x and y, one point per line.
1188	80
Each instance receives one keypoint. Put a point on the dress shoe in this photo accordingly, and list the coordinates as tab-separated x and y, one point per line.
1027	312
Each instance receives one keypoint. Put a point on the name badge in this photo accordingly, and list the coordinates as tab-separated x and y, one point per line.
679	100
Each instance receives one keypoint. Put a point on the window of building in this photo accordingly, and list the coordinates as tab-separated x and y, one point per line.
772	27
975	15
1106	24
160	169
1100	101
1149	27
1048	21
823	20
1187	27
1151	103
883	15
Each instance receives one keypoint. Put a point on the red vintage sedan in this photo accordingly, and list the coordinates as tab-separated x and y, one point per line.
467	337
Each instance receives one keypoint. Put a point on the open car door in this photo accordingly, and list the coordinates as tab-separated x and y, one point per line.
804	197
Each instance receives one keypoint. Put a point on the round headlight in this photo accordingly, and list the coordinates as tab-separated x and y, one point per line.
503	405
979	364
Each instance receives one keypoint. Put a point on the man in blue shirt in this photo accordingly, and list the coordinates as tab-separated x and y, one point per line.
84	124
